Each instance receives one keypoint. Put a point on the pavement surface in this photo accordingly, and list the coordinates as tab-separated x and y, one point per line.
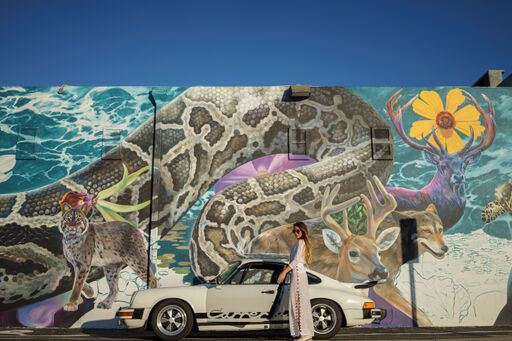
381	334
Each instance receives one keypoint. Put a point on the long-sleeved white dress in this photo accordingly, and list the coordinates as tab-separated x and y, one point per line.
299	305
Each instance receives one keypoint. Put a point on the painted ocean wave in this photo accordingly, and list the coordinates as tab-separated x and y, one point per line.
69	126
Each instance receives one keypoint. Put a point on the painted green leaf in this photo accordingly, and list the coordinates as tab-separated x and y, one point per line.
135	175
110	215
127	180
117	187
124	208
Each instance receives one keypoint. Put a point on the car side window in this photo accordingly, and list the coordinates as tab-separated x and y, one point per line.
312	279
237	278
259	276
256	273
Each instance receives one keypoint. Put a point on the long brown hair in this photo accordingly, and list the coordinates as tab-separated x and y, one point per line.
303	228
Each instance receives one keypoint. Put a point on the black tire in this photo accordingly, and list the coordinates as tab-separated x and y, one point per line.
177	326
327	318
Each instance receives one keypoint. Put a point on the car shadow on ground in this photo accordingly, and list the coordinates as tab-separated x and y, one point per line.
149	335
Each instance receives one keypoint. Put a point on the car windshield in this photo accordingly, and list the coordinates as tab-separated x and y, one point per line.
229	270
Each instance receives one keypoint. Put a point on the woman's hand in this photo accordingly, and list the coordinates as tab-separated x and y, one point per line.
282	277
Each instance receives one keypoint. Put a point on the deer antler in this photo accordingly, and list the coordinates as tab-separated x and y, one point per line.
328	208
376	211
490	128
395	114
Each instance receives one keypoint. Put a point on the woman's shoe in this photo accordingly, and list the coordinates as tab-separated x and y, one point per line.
304	338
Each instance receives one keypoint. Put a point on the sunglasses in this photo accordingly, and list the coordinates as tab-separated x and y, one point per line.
296	231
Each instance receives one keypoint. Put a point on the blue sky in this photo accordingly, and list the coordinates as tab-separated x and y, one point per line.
185	43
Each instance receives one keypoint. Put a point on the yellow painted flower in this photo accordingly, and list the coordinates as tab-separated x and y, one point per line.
447	120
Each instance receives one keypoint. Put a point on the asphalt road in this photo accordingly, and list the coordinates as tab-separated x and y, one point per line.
425	334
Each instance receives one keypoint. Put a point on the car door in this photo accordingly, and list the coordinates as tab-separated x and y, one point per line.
246	297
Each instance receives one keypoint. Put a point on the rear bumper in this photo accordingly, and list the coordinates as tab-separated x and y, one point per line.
376	314
131	317
359	317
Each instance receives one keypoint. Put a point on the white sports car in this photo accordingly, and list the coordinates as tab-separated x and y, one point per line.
246	296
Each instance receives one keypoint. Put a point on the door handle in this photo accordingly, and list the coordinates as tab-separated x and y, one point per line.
267	291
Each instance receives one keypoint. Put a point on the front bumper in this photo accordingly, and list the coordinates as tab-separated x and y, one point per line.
131	317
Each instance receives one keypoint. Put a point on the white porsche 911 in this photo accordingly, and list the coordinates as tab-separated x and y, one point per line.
246	296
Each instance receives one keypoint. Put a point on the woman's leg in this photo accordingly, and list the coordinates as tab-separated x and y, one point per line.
307	328
292	307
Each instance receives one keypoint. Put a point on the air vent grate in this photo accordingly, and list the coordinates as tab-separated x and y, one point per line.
382	148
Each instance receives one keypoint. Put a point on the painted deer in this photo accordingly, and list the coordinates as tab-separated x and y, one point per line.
334	251
446	190
358	255
337	252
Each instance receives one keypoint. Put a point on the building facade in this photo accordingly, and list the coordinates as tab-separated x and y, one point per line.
177	183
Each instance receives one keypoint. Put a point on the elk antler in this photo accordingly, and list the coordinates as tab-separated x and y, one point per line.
490	128
376	211
328	208
395	114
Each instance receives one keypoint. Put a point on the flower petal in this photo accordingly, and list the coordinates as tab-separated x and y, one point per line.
423	109
464	127
468	113
454	143
421	127
450	140
454	99
433	99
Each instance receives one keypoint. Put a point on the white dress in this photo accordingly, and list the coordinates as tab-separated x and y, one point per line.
299	305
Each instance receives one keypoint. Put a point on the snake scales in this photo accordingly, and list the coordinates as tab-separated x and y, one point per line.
200	136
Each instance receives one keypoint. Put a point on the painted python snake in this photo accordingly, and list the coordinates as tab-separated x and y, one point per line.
200	136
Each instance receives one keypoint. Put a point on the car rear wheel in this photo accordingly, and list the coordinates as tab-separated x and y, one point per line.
327	318
172	320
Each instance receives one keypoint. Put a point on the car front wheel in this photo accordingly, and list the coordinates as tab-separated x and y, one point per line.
327	318
172	320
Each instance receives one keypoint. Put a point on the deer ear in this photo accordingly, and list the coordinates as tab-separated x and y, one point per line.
332	240
431	208
65	207
387	238
430	158
84	208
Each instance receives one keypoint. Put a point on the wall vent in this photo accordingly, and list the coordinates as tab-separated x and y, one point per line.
382	148
297	144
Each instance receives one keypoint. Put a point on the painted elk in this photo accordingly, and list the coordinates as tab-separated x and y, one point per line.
337	252
446	190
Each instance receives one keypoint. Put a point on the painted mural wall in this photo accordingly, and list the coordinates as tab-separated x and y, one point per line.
224	171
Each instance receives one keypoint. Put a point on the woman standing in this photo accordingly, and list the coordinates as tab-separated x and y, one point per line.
299	306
